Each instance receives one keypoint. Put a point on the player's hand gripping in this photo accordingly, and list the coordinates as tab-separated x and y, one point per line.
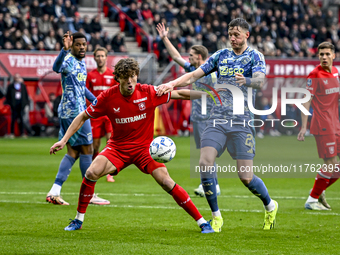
164	88
301	135
67	40
162	31
57	147
240	79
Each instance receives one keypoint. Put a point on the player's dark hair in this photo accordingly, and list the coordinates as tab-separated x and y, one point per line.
326	45
200	50
241	23
100	49
125	68
78	35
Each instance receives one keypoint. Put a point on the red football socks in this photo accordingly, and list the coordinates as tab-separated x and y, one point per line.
183	200
85	194
322	181
335	177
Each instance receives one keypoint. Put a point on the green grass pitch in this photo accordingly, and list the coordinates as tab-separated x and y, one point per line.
143	219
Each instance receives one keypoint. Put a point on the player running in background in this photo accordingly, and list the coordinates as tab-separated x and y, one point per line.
197	56
323	84
242	67
130	108
97	81
71	65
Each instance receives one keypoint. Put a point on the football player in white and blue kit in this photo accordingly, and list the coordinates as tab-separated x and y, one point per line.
243	67
198	54
71	64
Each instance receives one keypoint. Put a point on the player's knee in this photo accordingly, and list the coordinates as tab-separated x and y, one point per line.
205	161
245	181
91	174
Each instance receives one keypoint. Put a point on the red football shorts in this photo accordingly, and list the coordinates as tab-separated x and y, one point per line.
328	145
100	127
140	157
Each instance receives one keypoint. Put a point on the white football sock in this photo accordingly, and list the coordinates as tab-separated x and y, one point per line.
80	216
216	214
55	190
270	207
201	221
311	199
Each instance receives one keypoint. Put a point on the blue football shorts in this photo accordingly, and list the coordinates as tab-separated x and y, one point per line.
238	140
82	137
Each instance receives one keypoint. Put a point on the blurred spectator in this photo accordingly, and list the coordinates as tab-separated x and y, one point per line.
50	40
36	36
69	9
26	36
190	13
168	14
76	25
135	15
122	48
146	12
95	25
44	24
17	99
63	24
174	27
269	47
40	46
48	8
117	41
3	7
96	40
13	9
59	8
106	39
222	43
330	19
35	9
87	25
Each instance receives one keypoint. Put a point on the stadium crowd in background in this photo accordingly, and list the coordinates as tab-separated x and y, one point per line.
285	28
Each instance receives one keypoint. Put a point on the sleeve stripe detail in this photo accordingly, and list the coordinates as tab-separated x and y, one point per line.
169	94
89	114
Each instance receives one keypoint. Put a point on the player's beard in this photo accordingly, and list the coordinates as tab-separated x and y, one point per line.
239	46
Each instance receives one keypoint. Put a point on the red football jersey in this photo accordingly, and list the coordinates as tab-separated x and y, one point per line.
324	87
97	82
132	117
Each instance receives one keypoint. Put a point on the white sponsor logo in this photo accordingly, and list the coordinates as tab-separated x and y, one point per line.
325	81
108	76
116	110
332	90
101	87
140	100
130	119
93	80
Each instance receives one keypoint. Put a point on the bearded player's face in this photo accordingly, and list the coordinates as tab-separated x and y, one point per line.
238	37
326	57
128	85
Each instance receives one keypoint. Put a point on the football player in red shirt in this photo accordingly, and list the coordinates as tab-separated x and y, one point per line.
130	108
99	80
323	84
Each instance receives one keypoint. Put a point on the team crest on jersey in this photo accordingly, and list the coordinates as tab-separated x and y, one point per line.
108	81
245	60
331	149
142	106
325	81
309	82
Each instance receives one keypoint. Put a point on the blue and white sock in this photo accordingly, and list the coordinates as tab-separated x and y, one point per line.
65	168
209	186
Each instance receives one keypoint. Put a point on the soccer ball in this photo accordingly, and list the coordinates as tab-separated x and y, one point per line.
162	149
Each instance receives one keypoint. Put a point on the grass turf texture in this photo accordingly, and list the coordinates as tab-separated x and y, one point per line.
143	219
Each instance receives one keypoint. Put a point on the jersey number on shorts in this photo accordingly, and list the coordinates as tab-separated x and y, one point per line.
250	142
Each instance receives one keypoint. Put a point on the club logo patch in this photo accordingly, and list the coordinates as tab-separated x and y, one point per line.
309	82
142	106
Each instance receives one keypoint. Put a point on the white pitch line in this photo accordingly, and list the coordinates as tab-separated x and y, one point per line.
173	208
158	195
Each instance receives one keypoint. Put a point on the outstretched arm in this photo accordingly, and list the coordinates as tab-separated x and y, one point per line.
163	33
74	127
188	94
67	41
182	81
304	120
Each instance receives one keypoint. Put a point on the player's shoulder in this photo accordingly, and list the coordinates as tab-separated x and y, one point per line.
92	72
109	71
335	71
316	71
254	53
110	91
69	58
145	87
